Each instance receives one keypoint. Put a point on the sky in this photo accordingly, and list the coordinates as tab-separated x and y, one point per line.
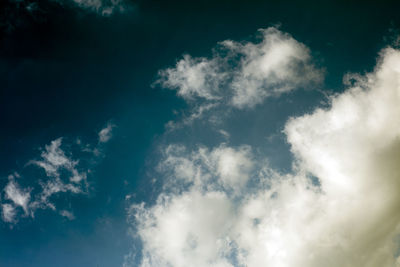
199	133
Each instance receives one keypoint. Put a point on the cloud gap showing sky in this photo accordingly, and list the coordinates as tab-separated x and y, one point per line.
225	206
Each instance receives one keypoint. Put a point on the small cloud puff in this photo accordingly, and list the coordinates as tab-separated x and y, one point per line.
69	215
8	213
105	134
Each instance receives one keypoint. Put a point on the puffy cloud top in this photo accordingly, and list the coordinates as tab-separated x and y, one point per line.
233	210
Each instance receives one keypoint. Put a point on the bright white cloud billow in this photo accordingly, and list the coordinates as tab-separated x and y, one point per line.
225	207
244	74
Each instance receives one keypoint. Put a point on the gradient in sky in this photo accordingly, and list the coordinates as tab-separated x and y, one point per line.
208	133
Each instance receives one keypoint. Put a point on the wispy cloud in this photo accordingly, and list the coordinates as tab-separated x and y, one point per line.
224	206
105	134
101	7
17	196
8	213
16	13
69	215
63	174
243	74
54	159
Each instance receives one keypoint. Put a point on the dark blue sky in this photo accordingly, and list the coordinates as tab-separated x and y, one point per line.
67	71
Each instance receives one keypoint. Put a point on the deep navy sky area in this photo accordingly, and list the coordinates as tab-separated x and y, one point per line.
68	72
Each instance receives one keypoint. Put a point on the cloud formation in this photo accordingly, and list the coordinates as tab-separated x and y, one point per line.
101	7
8	213
243	74
17	196
105	134
17	13
54	159
63	174
224	206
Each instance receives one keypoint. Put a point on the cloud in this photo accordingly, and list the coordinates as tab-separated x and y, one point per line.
8	213
101	7
201	168
54	159
243	74
63	174
17	13
106	133
69	215
52	187
16	195
224	206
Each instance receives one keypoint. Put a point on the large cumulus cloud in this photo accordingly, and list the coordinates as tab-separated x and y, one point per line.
224	206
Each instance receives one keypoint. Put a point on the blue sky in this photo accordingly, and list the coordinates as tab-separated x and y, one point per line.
210	133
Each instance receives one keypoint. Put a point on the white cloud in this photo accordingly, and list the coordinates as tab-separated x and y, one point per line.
8	213
18	196
277	65
244	74
54	159
69	215
225	134
52	187
102	7
63	174
230	167
195	77
105	8
179	232
350	219
105	134
196	113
